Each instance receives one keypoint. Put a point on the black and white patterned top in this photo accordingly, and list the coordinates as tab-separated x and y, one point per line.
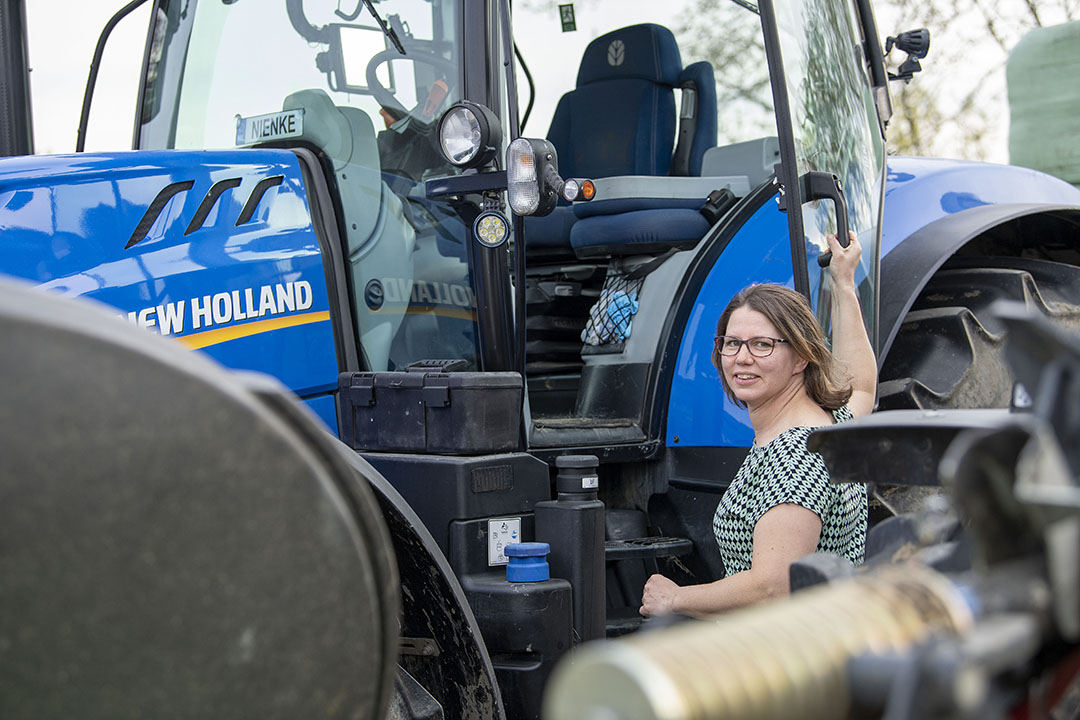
784	471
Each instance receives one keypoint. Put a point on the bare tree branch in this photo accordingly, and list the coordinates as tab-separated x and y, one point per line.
991	25
1032	7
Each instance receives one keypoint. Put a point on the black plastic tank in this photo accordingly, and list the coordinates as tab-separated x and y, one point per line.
525	618
573	524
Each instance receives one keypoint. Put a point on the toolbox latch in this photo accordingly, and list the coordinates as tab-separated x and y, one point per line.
436	392
362	388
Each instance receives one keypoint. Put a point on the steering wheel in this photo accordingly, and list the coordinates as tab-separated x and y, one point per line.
386	98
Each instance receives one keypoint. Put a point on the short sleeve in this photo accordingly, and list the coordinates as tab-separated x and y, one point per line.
795	475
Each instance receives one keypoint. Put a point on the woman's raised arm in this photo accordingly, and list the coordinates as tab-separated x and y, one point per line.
851	345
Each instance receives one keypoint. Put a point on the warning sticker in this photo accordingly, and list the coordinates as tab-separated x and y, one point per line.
502	532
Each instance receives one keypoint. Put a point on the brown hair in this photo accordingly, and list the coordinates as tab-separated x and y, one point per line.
790	313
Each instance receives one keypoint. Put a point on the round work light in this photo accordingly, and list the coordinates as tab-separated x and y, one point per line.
491	229
469	135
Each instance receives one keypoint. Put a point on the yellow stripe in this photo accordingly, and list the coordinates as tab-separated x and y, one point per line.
443	312
437	310
215	337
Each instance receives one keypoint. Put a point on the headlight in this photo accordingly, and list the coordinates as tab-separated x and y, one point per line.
469	135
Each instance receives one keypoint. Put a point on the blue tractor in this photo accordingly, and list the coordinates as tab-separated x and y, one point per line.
515	332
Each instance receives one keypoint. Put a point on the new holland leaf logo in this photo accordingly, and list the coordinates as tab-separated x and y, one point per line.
616	53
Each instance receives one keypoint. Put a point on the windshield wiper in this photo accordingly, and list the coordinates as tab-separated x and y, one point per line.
387	30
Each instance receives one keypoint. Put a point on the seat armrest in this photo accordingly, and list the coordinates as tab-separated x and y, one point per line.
628	193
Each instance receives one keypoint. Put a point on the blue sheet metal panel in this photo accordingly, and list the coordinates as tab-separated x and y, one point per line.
252	295
325	408
699	413
921	190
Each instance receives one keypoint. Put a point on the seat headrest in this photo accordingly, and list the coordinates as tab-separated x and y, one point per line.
645	52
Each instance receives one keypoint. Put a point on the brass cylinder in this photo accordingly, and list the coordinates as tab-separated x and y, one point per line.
769	662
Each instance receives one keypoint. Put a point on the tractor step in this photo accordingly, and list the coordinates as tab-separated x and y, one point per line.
647	548
630	562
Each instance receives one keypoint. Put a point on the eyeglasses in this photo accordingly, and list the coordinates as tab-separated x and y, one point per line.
758	346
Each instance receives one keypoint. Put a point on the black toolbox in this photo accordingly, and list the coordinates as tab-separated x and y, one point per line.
467	413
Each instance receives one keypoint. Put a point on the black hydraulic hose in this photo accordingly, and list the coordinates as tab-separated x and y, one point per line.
519	223
532	87
95	64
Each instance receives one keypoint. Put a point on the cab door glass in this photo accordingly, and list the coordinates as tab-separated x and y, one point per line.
836	130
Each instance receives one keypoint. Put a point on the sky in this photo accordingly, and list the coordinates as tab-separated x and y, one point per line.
62	36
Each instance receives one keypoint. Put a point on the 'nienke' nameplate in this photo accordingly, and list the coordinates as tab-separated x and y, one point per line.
273	126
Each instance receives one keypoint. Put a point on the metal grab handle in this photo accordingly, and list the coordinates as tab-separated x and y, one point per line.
826	186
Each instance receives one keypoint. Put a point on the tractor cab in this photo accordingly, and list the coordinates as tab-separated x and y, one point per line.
679	138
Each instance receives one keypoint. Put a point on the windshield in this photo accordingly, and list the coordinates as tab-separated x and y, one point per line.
224	60
324	74
836	130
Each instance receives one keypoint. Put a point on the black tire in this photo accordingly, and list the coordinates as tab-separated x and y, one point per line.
949	350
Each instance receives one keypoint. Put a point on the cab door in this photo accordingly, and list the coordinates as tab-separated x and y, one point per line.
831	141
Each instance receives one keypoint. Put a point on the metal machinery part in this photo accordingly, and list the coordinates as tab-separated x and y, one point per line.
760	663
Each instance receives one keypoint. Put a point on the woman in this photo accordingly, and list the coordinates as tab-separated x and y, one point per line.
773	359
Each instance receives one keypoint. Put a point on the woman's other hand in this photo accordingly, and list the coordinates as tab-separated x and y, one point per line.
845	260
658	598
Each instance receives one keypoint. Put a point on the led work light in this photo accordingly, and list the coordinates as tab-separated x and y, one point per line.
491	229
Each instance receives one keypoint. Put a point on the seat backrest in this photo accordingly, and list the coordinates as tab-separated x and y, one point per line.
620	119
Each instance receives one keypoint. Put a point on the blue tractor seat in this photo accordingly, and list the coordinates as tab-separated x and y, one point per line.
621	120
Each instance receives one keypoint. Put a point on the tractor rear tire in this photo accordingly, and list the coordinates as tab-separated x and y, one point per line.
949	350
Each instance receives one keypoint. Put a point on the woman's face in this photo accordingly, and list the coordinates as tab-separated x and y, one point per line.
755	380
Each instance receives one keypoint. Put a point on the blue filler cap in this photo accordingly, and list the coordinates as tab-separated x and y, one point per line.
528	562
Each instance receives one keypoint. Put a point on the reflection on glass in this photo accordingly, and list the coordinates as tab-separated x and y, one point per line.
836	130
370	111
358	46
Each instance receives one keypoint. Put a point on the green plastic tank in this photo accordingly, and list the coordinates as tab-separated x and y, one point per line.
1043	74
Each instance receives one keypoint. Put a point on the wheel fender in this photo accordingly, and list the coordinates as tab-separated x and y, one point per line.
906	269
458	673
